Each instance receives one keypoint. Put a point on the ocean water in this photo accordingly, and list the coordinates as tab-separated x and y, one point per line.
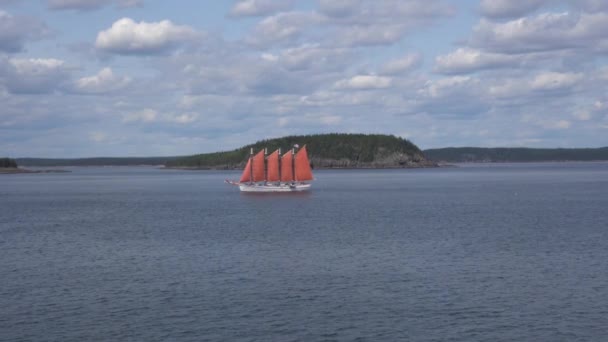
504	252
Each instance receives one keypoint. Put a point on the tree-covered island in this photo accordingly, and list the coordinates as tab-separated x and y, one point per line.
325	151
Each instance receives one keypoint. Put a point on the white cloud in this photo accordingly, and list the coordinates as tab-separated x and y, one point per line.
501	9
35	75
36	66
555	80
98	136
369	35
465	60
146	115
345	65
129	37
281	28
508	88
445	86
184	118
310	57
370	23
104	81
363	82
349	23
401	65
545	32
534	88
84	5
254	8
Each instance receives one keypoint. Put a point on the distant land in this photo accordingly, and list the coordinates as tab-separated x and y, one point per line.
343	151
10	166
97	161
325	151
514	154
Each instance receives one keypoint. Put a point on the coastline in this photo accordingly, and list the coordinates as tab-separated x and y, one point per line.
18	170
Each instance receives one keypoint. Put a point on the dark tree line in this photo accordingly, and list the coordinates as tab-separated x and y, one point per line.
358	148
100	161
505	154
8	163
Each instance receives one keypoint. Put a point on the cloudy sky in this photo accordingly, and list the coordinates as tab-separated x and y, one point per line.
146	78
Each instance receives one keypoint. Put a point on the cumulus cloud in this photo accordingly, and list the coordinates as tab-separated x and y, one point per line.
369	23
98	136
537	86
15	31
310	57
85	5
332	64
379	34
545	32
465	60
401	65
350	22
449	86
555	81
129	37
364	82
34	75
103	82
254	8
281	28
507	9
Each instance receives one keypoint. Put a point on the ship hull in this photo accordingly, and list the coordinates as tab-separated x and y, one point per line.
274	187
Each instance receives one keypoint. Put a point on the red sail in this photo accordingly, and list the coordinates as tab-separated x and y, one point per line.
258	167
272	163
246	176
287	167
303	171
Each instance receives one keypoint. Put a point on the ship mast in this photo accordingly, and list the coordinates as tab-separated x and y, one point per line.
280	162
251	166
293	164
265	164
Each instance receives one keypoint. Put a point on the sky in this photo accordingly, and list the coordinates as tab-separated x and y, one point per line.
84	78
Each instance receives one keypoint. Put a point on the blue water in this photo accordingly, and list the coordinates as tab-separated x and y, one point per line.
508	252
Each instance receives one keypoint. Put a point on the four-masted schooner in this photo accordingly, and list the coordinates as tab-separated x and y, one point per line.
275	172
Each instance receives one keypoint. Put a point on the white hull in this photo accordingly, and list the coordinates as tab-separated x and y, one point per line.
274	187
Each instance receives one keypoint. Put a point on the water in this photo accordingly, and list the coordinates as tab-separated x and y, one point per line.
509	252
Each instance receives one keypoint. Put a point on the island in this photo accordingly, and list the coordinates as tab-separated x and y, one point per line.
10	166
334	150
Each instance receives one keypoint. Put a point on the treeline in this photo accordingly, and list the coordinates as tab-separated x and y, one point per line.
101	161
325	150
8	163
506	154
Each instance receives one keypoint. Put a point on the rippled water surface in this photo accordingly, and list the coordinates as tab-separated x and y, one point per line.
510	252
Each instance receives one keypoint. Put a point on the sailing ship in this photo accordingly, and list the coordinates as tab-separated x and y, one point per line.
275	172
